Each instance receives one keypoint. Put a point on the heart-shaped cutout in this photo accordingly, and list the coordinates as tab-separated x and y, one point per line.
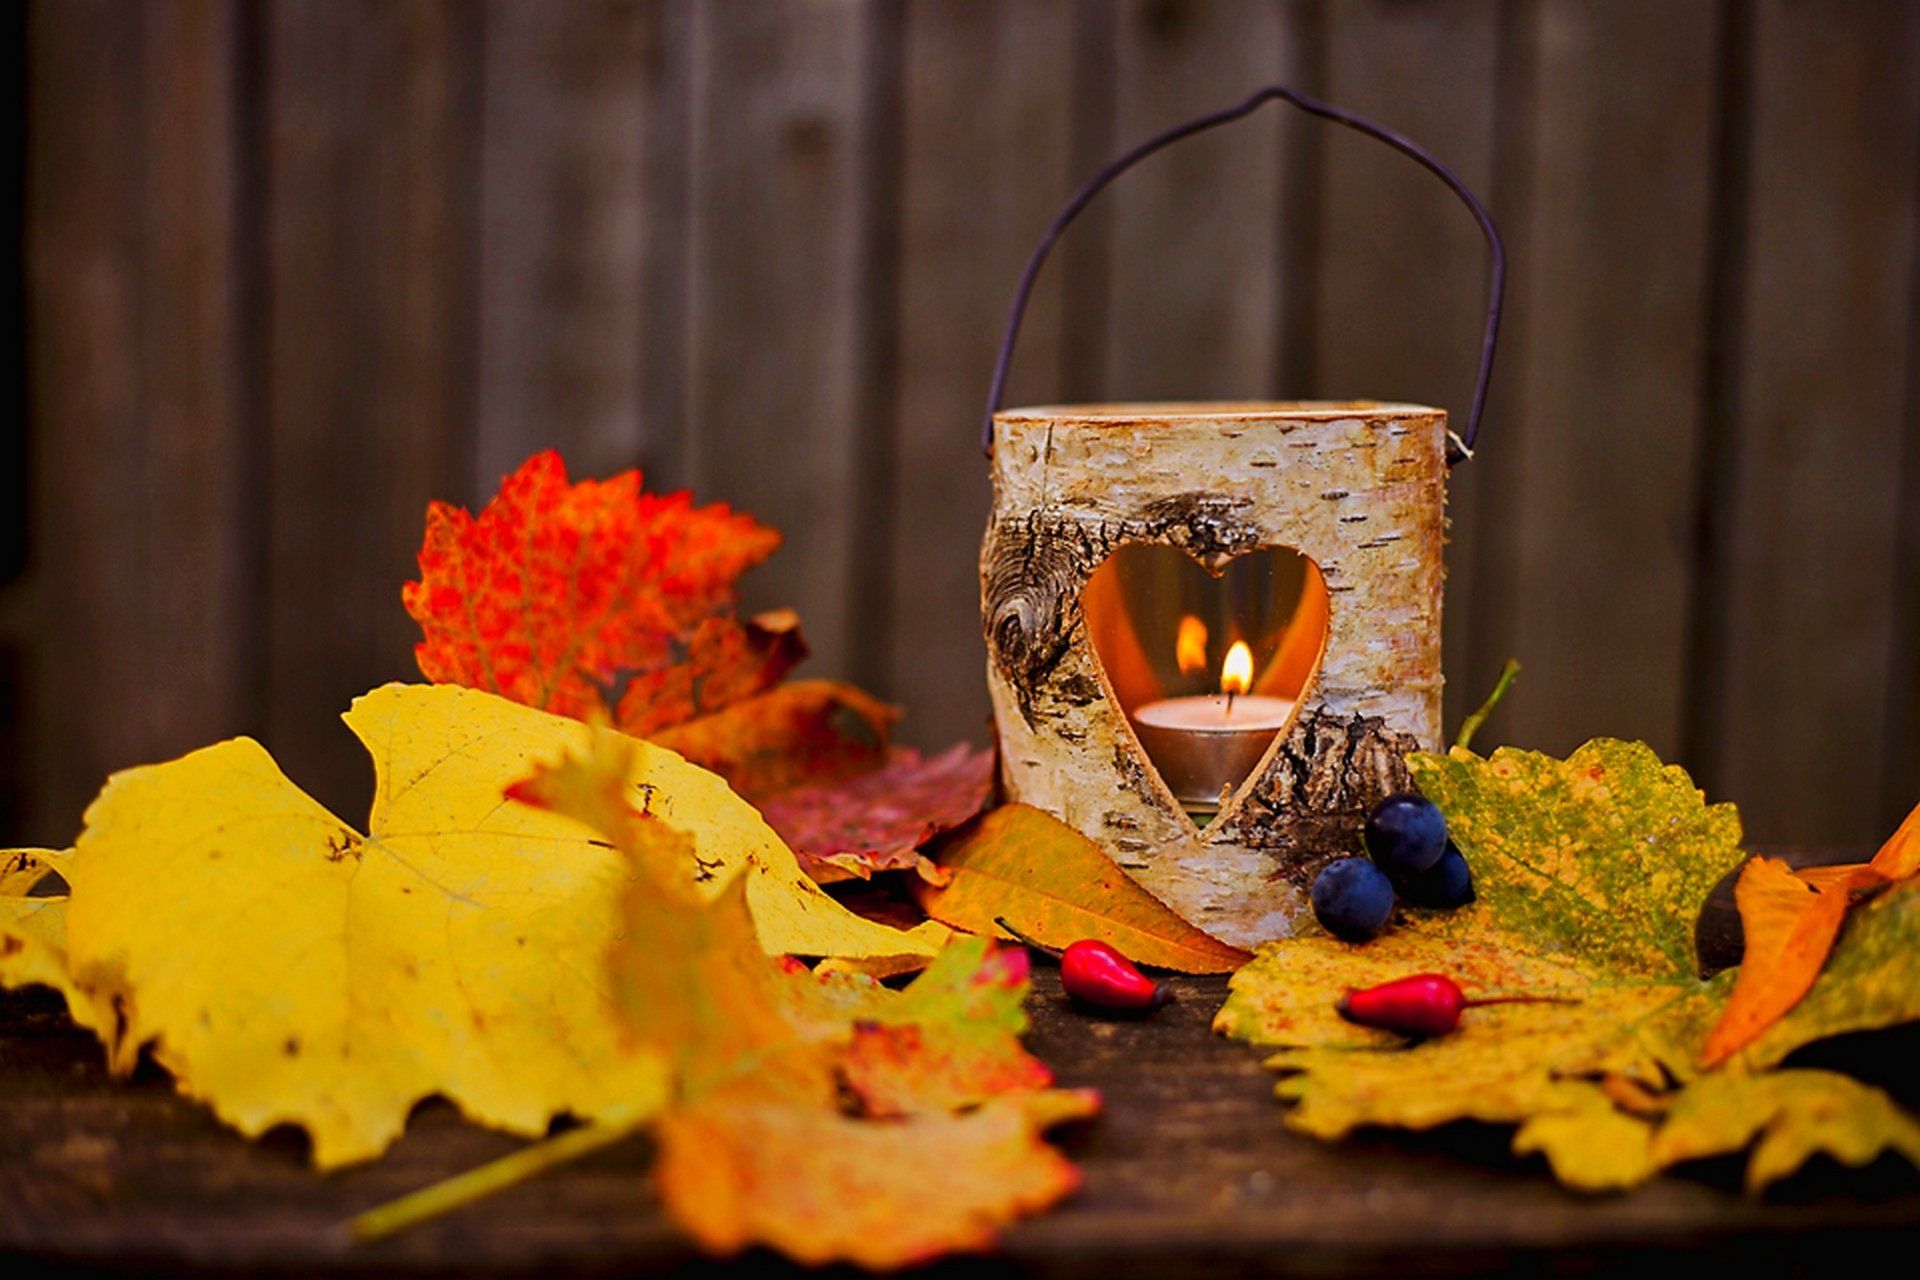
1207	666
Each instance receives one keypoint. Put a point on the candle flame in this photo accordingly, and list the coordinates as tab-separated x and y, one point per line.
1190	646
1236	673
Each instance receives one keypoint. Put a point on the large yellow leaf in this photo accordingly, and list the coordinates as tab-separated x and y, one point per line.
287	968
1578	867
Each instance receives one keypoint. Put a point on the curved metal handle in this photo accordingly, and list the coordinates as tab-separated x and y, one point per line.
1462	448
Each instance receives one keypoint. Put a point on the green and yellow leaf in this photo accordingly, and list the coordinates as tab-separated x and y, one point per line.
1589	874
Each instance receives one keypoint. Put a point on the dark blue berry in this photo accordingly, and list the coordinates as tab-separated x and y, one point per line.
1406	834
1447	883
1352	898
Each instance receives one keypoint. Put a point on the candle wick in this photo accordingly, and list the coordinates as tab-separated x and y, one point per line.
1231	693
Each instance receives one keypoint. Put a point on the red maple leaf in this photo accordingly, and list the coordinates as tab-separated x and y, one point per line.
877	821
596	599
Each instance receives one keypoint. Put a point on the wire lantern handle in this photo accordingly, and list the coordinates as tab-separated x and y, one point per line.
1462	444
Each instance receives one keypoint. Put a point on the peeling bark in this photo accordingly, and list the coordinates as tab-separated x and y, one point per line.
1357	488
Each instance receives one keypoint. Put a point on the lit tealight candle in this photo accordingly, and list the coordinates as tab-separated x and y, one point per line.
1205	745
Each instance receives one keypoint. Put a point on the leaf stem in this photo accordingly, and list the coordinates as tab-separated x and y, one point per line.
1471	725
476	1184
1479	1001
1027	941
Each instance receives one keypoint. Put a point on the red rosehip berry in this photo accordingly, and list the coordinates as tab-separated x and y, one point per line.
1094	973
1099	975
1424	1004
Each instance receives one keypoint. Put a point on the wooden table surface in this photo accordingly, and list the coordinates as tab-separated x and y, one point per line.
1190	1171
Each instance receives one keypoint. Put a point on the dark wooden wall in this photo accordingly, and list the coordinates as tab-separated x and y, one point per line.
293	268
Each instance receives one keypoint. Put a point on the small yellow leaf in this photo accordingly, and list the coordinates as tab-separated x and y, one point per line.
1591	1144
22	869
33	937
1795	1115
493	743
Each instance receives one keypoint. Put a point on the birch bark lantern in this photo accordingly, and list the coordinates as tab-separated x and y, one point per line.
1213	629
1358	490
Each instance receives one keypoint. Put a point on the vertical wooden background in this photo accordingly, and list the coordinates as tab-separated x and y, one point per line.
293	268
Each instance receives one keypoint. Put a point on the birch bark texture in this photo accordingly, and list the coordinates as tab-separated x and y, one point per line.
1359	488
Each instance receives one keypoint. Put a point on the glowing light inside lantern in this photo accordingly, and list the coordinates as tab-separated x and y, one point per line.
1236	673
1205	745
1190	645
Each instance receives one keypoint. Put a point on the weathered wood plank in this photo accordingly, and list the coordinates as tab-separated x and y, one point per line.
139	459
986	138
1190	1171
665	186
570	227
369	189
1900	782
1401	293
1806	724
1586	490
780	325
1193	304
15	419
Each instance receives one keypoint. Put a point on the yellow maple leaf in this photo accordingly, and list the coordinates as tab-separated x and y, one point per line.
286	968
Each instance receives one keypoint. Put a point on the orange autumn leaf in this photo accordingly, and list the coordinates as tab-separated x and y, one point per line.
890	1195
1841	875
1899	857
1057	887
1790	926
725	661
1791	919
595	599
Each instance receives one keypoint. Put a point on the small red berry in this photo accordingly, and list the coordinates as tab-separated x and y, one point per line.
1426	1004
1097	974
1094	973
